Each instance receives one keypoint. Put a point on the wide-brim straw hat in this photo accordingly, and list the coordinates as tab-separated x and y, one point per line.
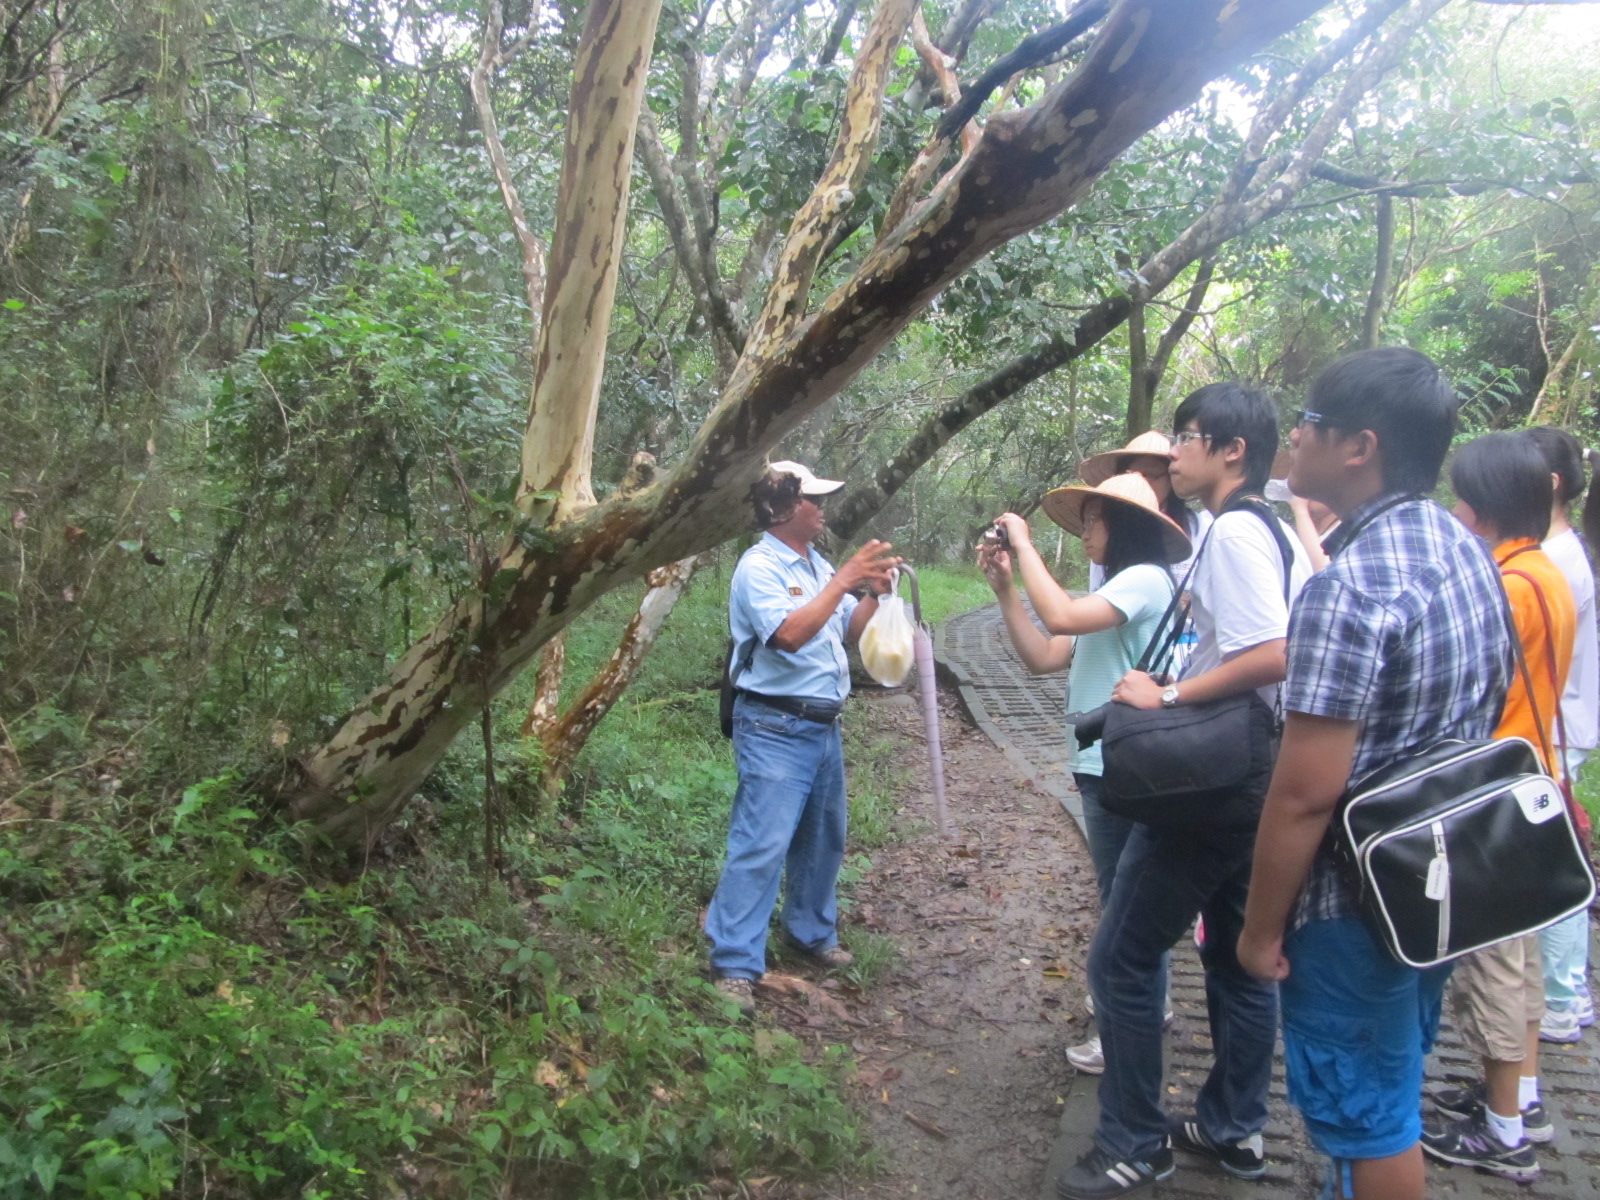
1132	490
1151	444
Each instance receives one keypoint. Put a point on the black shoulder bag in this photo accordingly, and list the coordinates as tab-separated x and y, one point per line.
1464	844
1194	766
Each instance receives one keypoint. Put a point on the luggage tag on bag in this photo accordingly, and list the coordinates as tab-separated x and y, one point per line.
1438	885
1539	800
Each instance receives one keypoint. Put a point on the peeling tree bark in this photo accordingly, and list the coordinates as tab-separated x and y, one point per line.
607	91
1151	58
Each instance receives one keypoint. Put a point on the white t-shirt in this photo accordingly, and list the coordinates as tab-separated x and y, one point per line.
1237	591
1580	703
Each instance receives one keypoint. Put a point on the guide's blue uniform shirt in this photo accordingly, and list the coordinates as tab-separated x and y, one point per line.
789	812
770	582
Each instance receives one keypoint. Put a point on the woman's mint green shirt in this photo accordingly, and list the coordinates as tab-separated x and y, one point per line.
1141	594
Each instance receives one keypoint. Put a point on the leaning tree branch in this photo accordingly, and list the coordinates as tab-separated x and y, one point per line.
916	179
835	191
1030	165
591	217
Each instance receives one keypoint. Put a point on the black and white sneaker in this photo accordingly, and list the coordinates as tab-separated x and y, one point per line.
1097	1174
1465	1103
1472	1143
1246	1159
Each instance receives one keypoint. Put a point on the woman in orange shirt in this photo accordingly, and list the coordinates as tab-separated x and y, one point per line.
1505	492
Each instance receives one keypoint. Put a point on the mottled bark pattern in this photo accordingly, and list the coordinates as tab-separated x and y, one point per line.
591	218
1150	59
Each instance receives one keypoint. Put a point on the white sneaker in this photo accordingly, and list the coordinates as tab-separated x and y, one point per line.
1561	1027
1087	1058
1585	1008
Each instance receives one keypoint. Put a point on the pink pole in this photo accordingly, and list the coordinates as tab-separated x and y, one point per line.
927	684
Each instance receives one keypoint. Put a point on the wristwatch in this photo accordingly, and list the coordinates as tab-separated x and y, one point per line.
1169	696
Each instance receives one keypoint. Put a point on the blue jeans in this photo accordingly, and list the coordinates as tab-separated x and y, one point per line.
1105	832
789	815
1162	882
1357	1027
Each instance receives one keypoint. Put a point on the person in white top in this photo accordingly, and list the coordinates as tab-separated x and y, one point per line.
1565	946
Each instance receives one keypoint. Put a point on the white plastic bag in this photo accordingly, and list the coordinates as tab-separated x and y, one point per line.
887	643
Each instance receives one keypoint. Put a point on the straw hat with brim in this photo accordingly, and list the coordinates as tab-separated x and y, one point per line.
1097	468
1064	506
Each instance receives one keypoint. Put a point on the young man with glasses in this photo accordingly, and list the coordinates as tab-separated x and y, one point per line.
1226	436
1399	642
790	614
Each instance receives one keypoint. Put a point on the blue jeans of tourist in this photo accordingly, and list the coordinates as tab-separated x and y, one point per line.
1162	882
1106	832
789	817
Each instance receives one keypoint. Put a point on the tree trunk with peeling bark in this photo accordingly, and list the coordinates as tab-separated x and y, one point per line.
1150	59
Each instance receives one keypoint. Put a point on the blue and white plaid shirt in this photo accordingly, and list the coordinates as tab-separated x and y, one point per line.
1406	632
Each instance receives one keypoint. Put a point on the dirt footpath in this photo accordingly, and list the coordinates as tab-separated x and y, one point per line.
959	1048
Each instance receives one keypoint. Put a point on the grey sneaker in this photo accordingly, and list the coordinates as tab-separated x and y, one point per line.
1472	1143
1560	1027
1087	1057
741	991
1466	1103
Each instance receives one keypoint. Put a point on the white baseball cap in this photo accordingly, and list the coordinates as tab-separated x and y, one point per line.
810	485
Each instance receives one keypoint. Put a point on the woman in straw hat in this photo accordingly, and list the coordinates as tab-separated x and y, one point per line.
1150	455
1100	636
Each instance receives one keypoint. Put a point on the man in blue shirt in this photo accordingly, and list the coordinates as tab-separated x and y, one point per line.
1400	642
790	614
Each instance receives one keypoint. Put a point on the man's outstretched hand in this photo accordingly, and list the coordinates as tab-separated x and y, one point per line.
869	567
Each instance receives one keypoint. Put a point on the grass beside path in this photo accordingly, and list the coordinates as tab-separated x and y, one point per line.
190	1003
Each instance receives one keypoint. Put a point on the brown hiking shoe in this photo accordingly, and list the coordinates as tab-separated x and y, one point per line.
833	956
741	992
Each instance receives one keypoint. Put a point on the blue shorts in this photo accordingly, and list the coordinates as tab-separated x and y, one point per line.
1357	1026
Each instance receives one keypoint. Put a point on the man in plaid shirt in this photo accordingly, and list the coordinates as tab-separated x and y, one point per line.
1400	642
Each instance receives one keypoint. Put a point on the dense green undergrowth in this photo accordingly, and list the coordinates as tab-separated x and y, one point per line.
191	1004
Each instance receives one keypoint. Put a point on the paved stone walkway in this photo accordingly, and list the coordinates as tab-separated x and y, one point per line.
1022	714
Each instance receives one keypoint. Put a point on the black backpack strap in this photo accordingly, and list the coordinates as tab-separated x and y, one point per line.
1164	639
1255	504
744	663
